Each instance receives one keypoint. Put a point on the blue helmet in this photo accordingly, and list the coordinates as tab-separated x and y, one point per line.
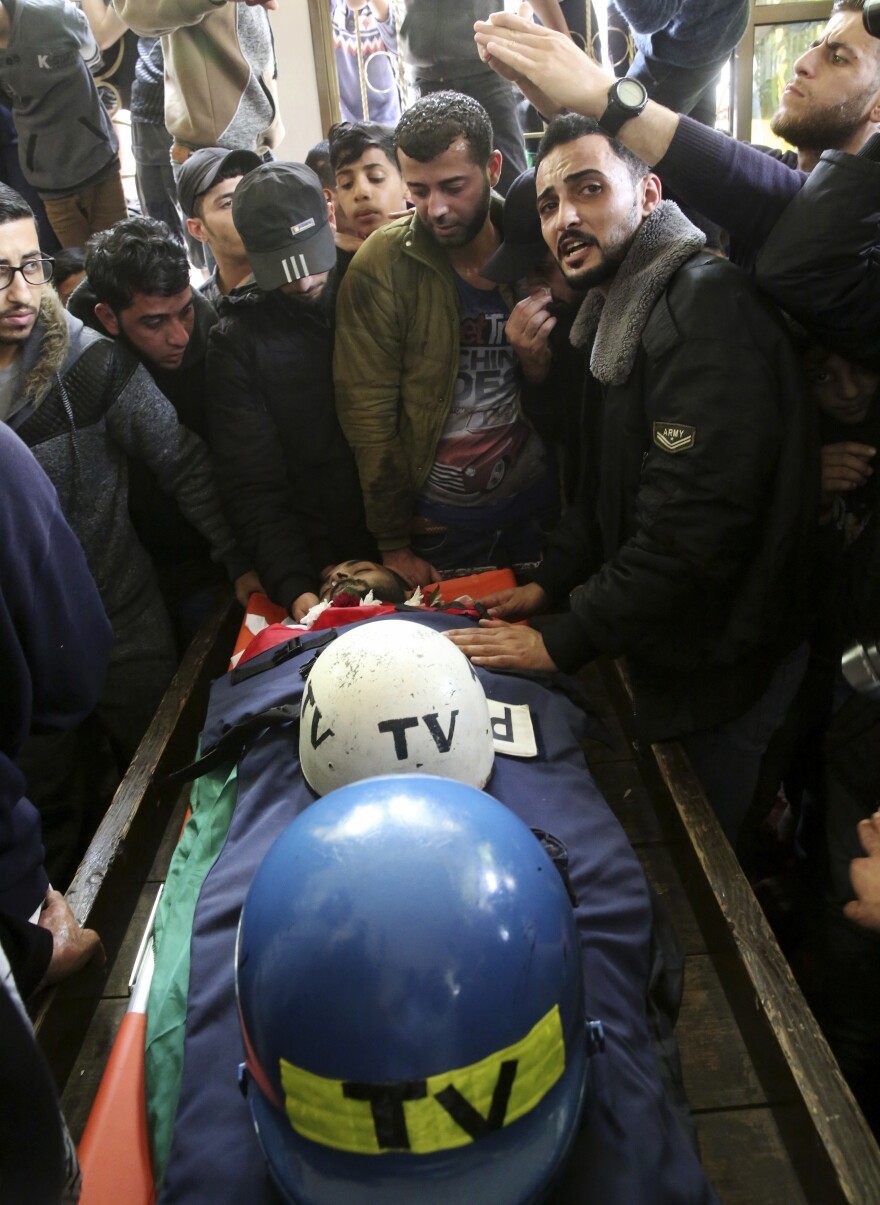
409	985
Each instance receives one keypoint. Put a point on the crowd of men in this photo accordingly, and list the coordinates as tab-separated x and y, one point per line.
673	448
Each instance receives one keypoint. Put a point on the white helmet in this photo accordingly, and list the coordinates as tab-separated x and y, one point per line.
392	697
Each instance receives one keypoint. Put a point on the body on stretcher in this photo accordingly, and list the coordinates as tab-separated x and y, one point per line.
114	1151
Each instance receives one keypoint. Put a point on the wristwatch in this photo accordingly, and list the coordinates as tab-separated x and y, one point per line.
626	99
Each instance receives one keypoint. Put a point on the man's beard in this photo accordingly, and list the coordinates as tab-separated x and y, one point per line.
826	130
319	301
354	586
613	253
472	228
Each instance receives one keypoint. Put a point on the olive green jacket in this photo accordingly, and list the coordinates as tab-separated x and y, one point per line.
395	365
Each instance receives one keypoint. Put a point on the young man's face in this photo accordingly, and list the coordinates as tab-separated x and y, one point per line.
841	389
590	208
835	95
451	192
158	328
368	191
19	302
213	223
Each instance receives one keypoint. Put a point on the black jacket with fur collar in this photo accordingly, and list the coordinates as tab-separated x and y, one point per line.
693	536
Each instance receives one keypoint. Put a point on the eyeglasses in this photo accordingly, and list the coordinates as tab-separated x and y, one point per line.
35	271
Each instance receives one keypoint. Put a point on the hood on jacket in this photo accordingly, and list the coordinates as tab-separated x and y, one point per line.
45	351
57	340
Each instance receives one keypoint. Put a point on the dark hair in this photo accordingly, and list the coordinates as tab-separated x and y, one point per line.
68	262
570	126
136	255
349	139
318	159
13	206
429	127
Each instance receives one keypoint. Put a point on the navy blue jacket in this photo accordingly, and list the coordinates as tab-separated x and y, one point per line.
54	646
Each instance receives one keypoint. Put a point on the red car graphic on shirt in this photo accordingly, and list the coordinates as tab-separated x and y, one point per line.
476	461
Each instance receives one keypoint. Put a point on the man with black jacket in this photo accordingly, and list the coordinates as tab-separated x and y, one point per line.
690	548
285	472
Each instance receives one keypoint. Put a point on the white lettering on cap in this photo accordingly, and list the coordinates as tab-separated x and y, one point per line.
302	226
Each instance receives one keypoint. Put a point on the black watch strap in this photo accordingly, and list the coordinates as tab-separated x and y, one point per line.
619	110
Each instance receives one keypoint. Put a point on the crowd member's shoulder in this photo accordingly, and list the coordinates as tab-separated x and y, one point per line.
711	298
708	284
388	241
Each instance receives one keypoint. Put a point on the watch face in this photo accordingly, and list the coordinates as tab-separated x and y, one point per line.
631	92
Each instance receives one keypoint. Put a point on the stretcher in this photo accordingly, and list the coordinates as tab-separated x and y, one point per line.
826	1154
117	1123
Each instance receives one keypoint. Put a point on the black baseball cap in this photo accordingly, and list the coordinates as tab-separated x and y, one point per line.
280	211
203	167
522	247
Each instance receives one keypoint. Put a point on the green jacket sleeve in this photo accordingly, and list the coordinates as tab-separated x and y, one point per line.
367	364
